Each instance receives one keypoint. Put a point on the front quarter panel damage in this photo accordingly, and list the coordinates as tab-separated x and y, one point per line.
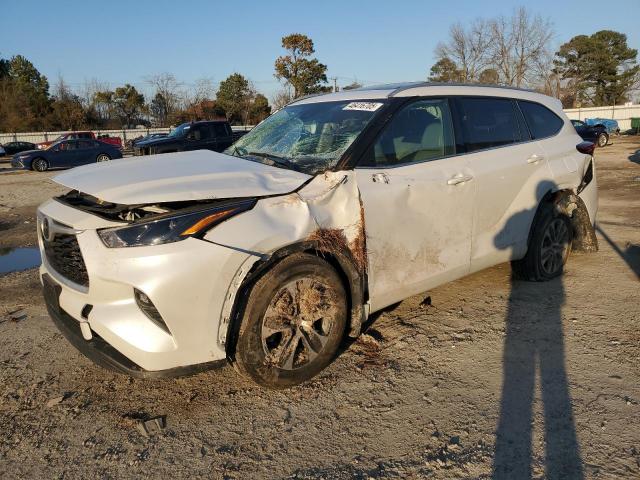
325	217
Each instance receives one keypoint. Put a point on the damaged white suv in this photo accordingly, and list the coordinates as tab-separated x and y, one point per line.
334	207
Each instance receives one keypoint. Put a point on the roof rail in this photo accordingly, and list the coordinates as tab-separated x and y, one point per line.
454	84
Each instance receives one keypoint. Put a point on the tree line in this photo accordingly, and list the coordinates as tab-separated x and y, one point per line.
28	102
588	70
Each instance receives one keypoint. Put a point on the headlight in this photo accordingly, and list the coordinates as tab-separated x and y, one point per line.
172	228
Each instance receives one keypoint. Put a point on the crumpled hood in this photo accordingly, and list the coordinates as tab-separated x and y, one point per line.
172	177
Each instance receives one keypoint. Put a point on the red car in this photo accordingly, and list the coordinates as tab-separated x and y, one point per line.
115	141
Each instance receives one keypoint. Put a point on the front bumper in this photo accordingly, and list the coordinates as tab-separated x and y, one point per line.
16	163
189	282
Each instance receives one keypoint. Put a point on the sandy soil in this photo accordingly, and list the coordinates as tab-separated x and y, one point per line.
490	378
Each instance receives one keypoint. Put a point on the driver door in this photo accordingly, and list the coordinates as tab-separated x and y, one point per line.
418	200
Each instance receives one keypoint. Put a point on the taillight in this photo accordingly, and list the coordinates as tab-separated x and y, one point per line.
586	147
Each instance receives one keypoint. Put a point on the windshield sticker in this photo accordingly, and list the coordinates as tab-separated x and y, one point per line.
363	106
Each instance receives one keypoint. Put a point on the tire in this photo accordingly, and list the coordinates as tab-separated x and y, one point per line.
603	140
103	157
40	165
549	246
293	322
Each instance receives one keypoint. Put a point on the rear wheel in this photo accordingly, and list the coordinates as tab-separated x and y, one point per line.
40	165
293	322
603	139
549	246
103	157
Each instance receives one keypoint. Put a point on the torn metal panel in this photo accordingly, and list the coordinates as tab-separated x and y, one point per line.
326	215
183	176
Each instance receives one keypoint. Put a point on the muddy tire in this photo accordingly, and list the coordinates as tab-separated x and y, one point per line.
293	322
549	246
40	165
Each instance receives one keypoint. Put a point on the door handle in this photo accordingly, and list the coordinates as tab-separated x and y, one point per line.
380	178
535	158
459	179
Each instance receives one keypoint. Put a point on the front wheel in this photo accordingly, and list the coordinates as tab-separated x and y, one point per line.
549	246
294	321
103	157
40	165
603	139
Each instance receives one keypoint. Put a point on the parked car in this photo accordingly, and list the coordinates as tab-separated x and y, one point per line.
151	136
115	141
257	255
592	133
610	125
208	135
12	148
66	154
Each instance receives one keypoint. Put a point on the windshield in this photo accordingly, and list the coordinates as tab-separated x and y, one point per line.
180	130
309	138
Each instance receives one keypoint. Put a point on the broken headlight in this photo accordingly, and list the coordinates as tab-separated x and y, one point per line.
173	228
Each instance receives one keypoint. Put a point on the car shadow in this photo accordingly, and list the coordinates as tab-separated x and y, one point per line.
534	344
635	157
630	255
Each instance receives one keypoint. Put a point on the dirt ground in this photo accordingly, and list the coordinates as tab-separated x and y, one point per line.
488	379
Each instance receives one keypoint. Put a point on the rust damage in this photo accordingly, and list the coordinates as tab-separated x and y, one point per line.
334	240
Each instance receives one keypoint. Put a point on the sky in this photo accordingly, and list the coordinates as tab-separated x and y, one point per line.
371	41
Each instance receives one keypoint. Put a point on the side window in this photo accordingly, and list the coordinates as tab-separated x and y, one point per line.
220	130
200	132
84	135
419	132
85	144
542	121
488	122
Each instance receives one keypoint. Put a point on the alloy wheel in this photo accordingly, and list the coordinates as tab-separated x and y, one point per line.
555	246
297	323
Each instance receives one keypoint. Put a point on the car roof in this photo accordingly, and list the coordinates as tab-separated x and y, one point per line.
410	89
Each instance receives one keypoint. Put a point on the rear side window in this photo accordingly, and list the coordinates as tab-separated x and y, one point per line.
488	123
542	121
419	132
220	129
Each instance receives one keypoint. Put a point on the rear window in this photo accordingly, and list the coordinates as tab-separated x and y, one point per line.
542	121
488	123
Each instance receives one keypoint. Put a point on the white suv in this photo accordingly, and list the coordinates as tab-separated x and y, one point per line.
334	207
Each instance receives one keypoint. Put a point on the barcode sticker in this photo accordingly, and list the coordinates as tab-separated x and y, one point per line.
363	106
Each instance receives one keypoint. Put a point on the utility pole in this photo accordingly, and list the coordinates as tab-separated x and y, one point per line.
335	83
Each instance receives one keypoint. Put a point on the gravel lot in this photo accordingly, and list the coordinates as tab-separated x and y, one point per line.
488	378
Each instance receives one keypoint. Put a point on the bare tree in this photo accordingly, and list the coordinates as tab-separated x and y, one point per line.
468	49
281	98
519	47
167	96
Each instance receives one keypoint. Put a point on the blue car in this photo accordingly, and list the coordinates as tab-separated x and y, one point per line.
610	125
66	154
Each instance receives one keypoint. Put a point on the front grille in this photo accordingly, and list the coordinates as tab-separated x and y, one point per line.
64	256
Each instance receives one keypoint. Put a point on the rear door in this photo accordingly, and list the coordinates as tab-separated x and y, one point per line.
511	174
418	198
223	136
199	137
87	152
558	141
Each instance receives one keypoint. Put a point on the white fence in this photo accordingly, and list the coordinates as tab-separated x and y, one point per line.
621	113
125	135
